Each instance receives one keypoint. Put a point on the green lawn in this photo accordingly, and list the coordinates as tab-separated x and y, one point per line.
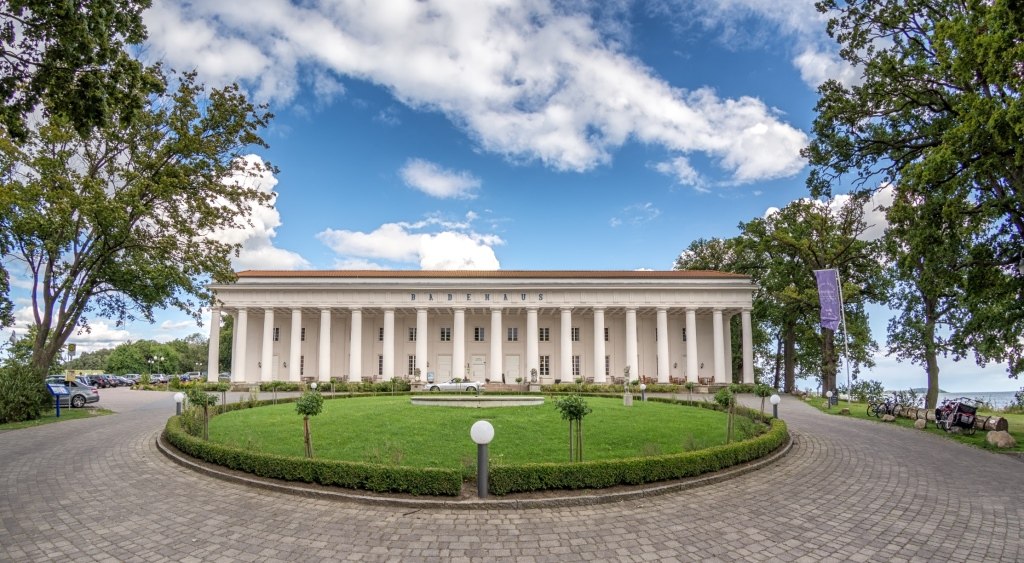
390	430
1015	421
51	416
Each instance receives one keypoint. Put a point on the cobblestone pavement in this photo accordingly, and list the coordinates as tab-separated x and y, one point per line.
97	489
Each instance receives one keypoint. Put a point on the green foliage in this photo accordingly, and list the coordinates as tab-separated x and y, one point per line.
724	398
866	391
115	222
198	397
23	395
280	386
311	403
1018	398
573	407
762	390
506	479
937	117
350	475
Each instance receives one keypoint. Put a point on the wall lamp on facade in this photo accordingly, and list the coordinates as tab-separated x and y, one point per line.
259	364
285	364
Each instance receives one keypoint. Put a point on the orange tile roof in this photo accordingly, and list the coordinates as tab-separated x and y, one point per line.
493	274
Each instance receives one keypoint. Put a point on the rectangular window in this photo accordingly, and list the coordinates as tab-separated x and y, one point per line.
302	365
303	333
513	334
412	334
478	334
575	366
277	334
606	334
575	331
412	364
380	364
380	334
545	365
446	334
607	365
544	334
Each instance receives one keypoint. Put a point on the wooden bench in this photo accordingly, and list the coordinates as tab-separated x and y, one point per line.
705	380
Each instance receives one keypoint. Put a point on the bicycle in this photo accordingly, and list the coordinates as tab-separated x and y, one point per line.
889	406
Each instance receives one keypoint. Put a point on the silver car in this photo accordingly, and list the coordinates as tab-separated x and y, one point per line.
79	395
458	385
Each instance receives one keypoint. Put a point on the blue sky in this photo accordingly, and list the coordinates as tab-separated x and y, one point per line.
522	134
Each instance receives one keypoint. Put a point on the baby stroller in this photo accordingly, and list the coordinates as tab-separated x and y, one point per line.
958	413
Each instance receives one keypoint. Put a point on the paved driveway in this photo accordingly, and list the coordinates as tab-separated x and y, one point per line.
98	489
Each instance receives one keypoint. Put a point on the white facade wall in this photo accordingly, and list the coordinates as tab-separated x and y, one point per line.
440	296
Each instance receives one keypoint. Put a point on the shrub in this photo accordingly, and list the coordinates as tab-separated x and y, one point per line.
174	382
23	395
505	479
280	386
350	475
866	391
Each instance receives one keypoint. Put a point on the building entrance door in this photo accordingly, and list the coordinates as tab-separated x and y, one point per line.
444	367
511	368
478	367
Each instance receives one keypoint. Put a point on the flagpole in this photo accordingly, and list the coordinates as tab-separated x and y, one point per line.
846	340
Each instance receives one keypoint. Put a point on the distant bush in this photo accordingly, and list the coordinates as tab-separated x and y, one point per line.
280	386
866	391
23	395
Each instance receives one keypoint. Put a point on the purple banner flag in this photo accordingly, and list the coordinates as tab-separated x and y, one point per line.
828	296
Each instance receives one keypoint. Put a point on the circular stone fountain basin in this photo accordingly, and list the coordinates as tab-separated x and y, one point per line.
478	402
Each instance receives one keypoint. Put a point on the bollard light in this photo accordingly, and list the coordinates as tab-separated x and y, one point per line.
775	399
482	433
313	385
828	397
178	398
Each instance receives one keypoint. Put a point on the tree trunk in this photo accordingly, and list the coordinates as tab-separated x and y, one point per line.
309	442
789	357
981	422
931	398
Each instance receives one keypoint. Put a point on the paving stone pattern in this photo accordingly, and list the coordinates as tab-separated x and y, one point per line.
98	490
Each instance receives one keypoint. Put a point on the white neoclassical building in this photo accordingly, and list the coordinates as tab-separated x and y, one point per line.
498	325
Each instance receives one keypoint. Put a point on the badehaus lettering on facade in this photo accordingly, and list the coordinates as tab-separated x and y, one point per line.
670	326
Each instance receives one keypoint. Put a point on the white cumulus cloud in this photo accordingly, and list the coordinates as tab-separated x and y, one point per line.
256	233
529	79
435	181
431	244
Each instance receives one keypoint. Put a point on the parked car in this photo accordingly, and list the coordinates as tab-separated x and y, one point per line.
458	385
158	378
133	377
80	393
224	377
192	376
105	380
126	382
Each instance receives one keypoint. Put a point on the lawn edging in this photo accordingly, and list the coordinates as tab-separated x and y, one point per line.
503	479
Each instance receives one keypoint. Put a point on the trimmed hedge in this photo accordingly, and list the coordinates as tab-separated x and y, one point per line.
505	479
347	474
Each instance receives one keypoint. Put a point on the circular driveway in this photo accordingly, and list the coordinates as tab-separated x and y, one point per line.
98	489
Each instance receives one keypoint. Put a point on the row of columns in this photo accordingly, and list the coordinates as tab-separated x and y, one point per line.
721	336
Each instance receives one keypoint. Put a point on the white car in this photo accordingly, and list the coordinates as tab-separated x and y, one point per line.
457	385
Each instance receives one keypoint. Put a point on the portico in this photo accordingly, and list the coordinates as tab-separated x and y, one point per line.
351	325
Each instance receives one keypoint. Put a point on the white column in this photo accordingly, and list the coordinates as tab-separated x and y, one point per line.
727	343
459	344
532	354
632	360
295	350
691	346
239	337
267	352
717	333
748	347
213	356
496	359
355	346
663	351
389	344
599	376
324	357
565	347
421	342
